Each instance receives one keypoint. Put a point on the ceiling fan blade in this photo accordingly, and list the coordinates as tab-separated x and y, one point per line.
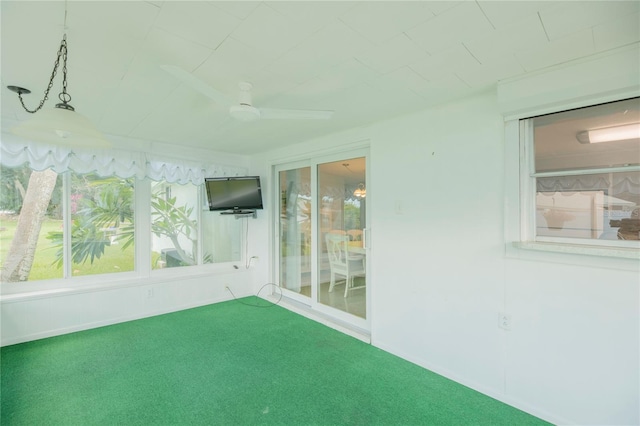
197	84
294	114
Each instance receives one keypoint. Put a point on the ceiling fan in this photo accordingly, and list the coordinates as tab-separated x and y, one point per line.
243	109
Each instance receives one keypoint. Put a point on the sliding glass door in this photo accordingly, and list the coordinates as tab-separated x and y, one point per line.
295	230
342	230
322	246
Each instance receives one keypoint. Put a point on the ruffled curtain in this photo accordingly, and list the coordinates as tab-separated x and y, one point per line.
615	183
110	162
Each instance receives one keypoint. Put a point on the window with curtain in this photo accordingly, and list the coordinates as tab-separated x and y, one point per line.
66	214
585	174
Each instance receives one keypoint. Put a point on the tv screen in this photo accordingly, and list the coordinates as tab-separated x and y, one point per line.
234	193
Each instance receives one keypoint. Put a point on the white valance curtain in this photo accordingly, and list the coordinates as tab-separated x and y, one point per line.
614	183
111	162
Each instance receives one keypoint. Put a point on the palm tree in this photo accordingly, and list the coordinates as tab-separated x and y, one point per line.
37	196
97	204
173	221
107	204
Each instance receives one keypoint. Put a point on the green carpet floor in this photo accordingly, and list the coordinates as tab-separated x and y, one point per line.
229	364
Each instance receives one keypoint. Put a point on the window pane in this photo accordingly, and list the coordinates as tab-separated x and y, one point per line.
295	230
174	225
577	203
562	141
342	200
601	206
31	211
221	237
102	234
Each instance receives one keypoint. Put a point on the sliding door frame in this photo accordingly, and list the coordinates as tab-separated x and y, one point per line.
277	246
313	162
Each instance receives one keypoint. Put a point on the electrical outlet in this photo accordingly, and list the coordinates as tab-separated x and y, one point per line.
504	321
149	293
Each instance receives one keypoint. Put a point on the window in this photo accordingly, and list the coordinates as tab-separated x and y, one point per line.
33	223
102	227
581	180
176	227
30	211
222	236
68	225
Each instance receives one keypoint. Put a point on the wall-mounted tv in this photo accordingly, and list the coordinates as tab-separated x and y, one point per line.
234	194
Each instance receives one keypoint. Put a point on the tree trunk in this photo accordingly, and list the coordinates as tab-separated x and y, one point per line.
20	189
19	260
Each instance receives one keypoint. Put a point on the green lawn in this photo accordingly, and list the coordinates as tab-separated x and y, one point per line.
114	259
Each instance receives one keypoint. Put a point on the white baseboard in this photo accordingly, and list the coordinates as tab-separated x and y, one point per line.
110	321
493	393
307	312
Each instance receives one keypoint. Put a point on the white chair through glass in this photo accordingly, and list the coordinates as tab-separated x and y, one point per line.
343	263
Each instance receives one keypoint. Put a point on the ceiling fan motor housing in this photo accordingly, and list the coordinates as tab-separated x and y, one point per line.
244	112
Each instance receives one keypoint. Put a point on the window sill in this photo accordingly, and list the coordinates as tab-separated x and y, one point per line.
19	292
619	252
586	255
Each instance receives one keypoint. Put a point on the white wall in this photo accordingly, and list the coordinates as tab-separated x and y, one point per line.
43	314
438	267
572	352
441	276
31	311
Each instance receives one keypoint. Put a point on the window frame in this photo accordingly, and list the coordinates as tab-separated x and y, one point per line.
142	253
520	197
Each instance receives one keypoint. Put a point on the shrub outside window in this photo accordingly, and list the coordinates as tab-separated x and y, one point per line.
102	225
184	233
174	225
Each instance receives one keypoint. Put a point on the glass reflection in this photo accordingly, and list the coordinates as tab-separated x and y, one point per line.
342	260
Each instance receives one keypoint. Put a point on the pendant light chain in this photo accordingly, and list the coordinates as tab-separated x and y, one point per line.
62	52
64	96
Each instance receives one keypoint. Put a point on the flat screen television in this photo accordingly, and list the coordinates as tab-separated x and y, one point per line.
234	194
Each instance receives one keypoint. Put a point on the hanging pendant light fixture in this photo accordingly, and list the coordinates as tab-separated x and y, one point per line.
360	191
60	125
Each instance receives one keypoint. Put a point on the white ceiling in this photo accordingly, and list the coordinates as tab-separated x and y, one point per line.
367	61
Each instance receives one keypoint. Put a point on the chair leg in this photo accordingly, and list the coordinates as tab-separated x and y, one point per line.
332	282
348	282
